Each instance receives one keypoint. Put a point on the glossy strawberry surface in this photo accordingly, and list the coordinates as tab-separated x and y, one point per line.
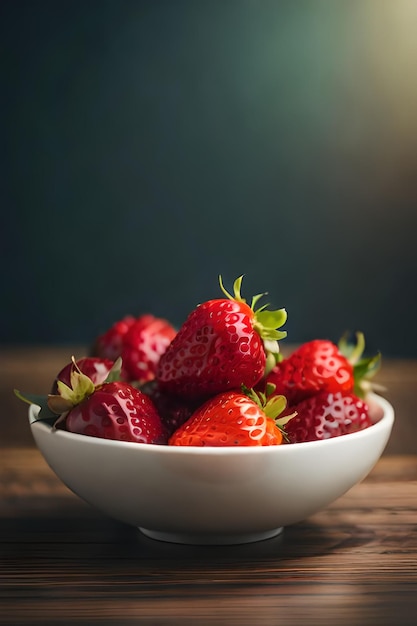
216	349
143	344
229	419
140	342
327	415
315	366
109	345
117	411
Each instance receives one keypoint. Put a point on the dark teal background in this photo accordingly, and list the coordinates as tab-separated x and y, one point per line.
150	145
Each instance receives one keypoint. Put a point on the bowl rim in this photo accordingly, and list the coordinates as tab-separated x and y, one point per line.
384	423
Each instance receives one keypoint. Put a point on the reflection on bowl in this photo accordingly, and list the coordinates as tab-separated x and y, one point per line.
213	495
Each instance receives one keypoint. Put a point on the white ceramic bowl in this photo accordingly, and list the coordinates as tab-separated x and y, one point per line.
213	495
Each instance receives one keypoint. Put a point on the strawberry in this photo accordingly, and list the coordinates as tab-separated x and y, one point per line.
321	365
117	410
223	344
112	409
325	415
140	342
233	418
316	365
144	343
95	368
173	410
109	345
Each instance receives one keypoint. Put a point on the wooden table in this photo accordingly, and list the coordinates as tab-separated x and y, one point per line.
355	563
62	562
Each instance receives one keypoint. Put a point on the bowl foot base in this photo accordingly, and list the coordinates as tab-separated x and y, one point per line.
206	539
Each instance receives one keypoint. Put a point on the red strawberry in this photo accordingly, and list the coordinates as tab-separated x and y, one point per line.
222	344
111	410
232	419
117	411
95	368
321	365
326	415
317	365
140	342
144	343
109	344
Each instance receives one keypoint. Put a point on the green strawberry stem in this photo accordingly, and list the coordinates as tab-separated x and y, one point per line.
364	368
265	322
272	405
55	405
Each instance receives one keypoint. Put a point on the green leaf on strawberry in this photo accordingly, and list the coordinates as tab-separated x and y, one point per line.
273	405
81	387
364	368
45	414
265	322
222	344
115	373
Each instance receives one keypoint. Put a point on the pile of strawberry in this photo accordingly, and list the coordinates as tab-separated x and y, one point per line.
220	380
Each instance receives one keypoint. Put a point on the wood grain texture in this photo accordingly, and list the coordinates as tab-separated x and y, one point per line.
62	562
